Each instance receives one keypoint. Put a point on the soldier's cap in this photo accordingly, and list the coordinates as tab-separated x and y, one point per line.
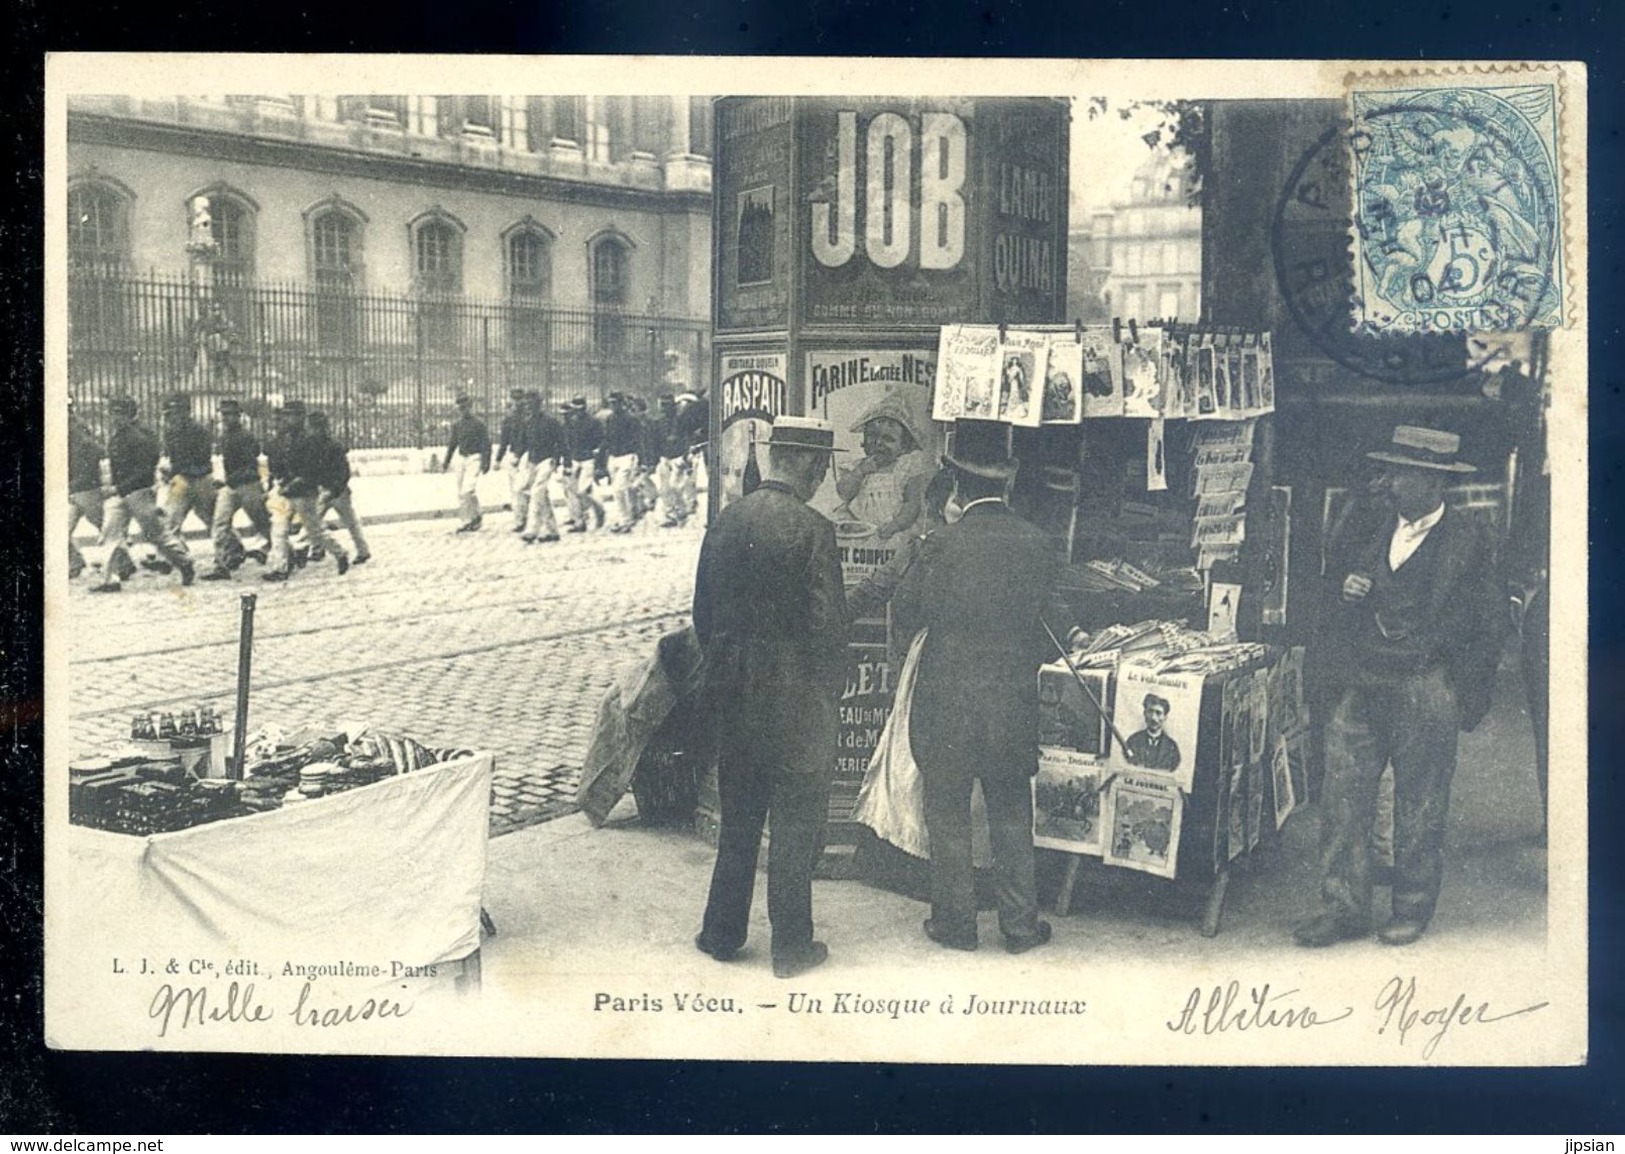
517	394
293	408
123	404
802	433
1420	448
230	405
576	405
533	394
177	402
463	400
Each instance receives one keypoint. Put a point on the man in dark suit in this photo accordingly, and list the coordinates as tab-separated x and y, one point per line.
770	611
980	588
1414	644
1151	747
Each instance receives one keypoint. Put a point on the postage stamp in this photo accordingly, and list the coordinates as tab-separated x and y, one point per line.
1458	209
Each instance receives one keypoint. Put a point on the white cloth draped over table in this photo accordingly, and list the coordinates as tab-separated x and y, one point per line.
892	800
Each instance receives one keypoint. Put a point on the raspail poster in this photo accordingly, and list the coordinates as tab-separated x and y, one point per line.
1159	716
1063	383
1023	369
1142	824
968	373
1067	797
751	392
879	401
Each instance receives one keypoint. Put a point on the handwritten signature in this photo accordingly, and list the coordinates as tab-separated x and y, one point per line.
184	1007
1262	1009
1397	1004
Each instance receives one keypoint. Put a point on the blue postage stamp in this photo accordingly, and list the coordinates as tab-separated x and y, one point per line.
1457	208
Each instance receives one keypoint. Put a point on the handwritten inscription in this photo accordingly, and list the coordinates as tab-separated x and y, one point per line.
1224	1009
186	1007
1403	1011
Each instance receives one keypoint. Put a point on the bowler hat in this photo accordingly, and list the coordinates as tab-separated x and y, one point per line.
981	448
1421	448
802	433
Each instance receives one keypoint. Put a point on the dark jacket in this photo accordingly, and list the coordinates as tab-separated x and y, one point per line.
329	464
84	460
982	587
771	613
544	438
622	434
693	421
291	460
511	435
240	456
471	438
132	454
584	435
1452	617
186	444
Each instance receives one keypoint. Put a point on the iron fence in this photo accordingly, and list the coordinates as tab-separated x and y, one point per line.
385	367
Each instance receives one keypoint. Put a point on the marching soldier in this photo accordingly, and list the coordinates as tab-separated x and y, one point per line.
84	485
240	462
623	438
132	454
584	437
512	458
470	445
294	466
188	470
545	448
332	471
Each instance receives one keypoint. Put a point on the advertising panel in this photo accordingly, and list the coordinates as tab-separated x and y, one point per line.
879	401
753	206
751	392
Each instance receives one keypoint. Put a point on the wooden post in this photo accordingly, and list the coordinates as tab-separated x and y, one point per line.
245	652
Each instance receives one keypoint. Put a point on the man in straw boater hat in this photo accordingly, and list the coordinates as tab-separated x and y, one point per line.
1413	644
771	613
980	589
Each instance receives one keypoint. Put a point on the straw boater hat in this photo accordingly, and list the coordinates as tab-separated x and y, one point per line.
801	433
893	408
1420	448
981	448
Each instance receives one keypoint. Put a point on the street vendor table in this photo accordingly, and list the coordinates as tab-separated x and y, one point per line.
390	871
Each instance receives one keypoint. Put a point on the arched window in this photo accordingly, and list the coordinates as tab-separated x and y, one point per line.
336	231
437	276
528	258
98	250
98	226
437	252
234	240
610	272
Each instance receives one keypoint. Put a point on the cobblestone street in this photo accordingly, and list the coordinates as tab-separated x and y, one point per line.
476	641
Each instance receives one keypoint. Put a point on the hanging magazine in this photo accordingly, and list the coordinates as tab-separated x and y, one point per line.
1142	824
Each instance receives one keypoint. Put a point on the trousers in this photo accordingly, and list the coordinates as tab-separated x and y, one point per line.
622	476
1411	721
344	506
141	507
521	478
283	510
248	497
578	493
466	466
1009	801
539	520
184	495
85	505
749	790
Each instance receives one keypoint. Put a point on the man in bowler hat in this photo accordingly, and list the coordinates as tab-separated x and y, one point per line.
1413	645
980	589
770	611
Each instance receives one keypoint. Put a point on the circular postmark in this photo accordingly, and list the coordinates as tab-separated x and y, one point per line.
1440	243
